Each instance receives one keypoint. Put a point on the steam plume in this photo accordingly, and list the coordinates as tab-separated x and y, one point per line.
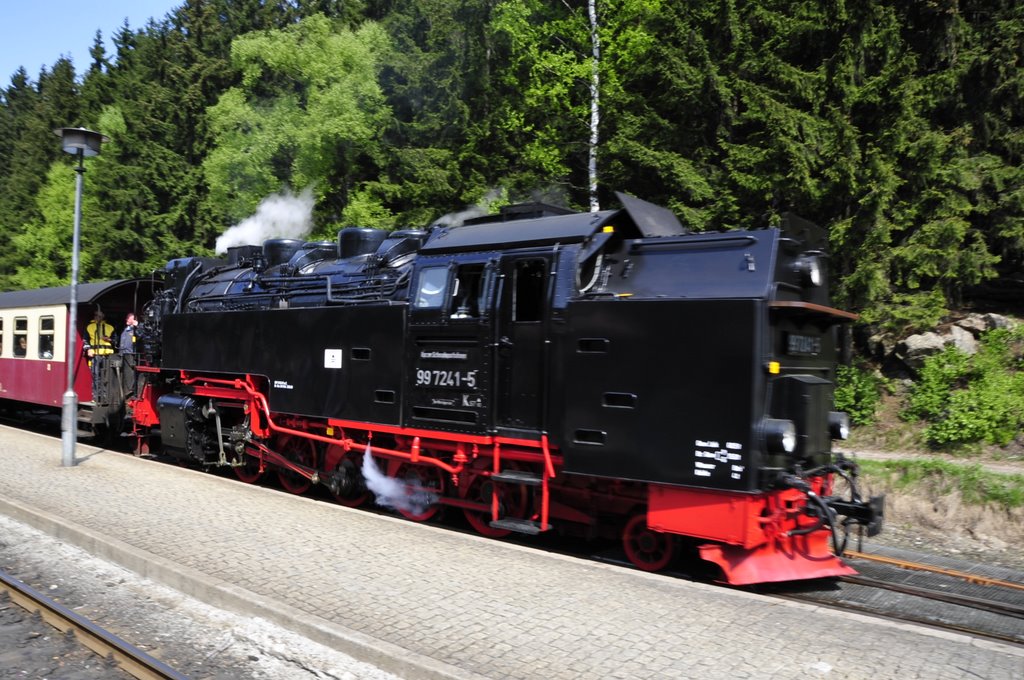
284	215
456	219
494	198
391	492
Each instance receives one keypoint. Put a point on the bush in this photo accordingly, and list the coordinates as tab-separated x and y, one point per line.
858	391
937	378
969	399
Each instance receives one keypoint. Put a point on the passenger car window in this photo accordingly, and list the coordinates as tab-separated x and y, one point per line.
1	337
46	337
433	283
20	336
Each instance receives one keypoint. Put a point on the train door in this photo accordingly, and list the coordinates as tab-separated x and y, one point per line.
521	371
449	341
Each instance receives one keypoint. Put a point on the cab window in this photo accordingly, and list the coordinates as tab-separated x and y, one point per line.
46	337
468	296
433	283
20	336
528	299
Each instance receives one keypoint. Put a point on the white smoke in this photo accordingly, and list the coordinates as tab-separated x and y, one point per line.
391	492
496	198
484	207
284	215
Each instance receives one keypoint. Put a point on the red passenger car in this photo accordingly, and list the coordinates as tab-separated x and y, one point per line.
33	345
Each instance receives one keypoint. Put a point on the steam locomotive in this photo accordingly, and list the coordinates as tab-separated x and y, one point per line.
599	374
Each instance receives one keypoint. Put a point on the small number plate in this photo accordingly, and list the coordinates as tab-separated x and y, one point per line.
803	345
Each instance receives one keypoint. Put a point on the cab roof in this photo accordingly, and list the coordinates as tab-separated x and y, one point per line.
637	218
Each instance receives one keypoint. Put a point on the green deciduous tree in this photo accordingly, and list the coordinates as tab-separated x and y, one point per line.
308	113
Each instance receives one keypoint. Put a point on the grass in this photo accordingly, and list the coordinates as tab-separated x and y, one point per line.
975	484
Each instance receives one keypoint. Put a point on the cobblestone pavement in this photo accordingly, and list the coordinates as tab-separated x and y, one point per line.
424	602
196	640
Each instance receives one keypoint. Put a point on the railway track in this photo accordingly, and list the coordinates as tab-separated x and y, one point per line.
903	589
125	656
887	587
979	579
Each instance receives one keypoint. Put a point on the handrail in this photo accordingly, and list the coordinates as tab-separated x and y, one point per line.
799	305
692	241
260	402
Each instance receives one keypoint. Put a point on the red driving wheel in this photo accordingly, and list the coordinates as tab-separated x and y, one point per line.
647	549
424	486
250	471
299	450
512	500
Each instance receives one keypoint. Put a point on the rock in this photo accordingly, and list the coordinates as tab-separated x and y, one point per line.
881	345
993	321
916	348
973	323
962	340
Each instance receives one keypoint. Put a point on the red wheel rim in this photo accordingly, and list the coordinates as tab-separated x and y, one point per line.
250	472
647	549
299	450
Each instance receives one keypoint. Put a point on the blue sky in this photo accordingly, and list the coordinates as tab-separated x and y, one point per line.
34	33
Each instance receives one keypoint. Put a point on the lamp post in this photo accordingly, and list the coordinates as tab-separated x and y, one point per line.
82	143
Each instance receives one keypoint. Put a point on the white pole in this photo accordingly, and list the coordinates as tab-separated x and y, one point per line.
595	111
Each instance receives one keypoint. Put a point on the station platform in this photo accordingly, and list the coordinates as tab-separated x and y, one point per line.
426	602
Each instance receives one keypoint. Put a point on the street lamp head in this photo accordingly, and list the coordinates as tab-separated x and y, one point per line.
79	140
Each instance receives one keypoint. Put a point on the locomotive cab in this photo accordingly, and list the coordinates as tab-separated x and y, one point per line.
714	384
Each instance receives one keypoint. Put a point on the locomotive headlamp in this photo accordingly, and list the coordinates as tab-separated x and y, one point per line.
839	425
779	435
809	268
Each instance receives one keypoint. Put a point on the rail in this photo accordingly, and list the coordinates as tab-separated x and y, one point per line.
128	658
997	615
963	575
1001	608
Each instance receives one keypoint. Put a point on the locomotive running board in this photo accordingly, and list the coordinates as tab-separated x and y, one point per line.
517	477
521	526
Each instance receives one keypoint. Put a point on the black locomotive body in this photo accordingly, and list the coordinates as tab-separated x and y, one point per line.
598	372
